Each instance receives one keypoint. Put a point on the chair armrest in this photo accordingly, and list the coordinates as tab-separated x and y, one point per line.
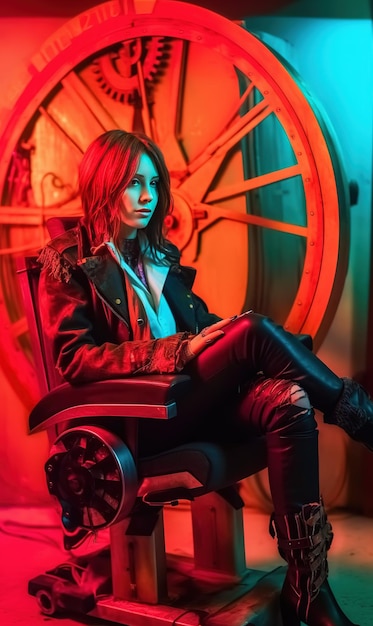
153	396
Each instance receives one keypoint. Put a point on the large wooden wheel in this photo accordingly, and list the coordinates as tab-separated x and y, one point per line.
260	199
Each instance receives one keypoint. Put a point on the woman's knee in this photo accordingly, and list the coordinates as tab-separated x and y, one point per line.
251	321
250	329
258	327
279	403
294	410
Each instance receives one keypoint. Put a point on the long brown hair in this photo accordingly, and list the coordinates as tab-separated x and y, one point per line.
107	168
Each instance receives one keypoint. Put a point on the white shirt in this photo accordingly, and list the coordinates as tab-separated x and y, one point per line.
160	318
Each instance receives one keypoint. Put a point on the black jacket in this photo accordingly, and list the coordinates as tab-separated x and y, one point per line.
84	310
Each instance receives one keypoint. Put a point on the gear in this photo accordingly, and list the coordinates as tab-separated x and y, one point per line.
116	71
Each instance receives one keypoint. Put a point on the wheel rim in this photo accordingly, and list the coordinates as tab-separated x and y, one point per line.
221	177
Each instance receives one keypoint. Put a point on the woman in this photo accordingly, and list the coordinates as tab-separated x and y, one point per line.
116	302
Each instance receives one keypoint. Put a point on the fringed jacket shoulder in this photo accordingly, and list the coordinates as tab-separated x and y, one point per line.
85	313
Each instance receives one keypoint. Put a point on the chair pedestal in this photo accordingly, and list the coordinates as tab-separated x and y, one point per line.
212	589
138	559
218	536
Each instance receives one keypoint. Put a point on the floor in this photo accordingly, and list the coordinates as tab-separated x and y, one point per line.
30	543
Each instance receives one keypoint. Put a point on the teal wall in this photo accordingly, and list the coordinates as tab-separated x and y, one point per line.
334	56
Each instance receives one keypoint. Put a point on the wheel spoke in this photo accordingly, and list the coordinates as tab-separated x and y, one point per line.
103	507
82	96
60	130
145	111
202	170
92	446
240	127
112	487
253	183
31	248
72	440
103	467
35	216
216	213
172	141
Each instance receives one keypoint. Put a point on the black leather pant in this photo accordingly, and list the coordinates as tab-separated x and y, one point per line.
254	343
256	380
221	404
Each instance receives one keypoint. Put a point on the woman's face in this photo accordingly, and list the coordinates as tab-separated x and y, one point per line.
140	198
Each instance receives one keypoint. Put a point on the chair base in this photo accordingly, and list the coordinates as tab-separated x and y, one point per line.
194	598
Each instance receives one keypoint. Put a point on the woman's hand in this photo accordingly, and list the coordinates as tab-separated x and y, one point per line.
207	336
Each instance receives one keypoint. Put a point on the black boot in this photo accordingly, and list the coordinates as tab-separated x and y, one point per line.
354	413
303	540
300	522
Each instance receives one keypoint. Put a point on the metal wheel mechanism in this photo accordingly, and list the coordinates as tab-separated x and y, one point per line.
260	197
92	474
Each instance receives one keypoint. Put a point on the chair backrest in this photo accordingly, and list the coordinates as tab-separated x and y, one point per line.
60	224
28	270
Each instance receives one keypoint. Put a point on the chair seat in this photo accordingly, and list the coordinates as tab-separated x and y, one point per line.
194	469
